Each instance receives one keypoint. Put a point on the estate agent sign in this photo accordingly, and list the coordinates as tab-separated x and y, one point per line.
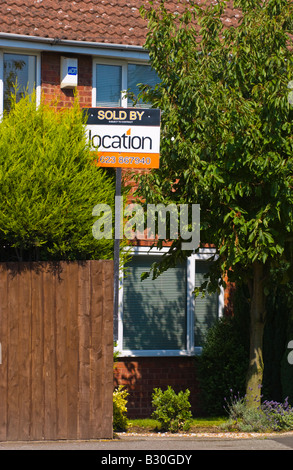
125	137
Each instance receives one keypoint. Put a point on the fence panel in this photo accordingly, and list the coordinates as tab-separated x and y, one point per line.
56	335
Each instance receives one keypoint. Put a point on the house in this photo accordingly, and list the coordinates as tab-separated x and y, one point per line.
160	326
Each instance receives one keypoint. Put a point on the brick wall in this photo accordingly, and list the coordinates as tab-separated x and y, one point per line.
50	78
142	375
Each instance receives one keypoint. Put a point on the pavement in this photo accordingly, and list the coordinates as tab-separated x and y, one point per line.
137	445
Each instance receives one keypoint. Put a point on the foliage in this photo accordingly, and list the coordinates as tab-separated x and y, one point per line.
146	424
120	394
286	373
198	423
277	377
120	420
49	185
268	416
116	353
280	415
171	409
278	373
227	144
222	364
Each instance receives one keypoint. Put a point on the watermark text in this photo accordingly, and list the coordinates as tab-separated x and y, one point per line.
156	222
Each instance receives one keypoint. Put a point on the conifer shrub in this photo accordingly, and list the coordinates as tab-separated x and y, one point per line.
49	185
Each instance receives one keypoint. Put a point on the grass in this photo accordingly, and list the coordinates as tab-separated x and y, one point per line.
197	424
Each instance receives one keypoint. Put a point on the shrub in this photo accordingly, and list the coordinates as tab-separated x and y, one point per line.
268	416
223	364
243	418
280	415
49	186
120	420
171	409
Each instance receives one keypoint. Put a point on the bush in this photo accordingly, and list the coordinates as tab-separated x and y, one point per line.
268	416
120	420
172	410
49	186
242	418
280	415
223	364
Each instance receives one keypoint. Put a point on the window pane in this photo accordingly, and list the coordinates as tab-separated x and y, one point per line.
154	311
206	308
19	71
140	74
109	85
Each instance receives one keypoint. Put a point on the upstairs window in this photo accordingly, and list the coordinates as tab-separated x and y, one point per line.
112	80
109	85
19	75
137	74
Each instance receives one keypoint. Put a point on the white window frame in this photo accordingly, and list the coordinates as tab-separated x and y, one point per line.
191	348
38	73
122	63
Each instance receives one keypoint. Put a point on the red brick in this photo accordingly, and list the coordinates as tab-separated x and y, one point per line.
50	74
142	375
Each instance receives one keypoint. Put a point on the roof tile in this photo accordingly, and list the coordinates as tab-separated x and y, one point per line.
108	21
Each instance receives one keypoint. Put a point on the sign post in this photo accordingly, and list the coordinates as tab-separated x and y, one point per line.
123	138
118	209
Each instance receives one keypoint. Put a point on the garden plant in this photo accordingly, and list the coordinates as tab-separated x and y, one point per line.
172	410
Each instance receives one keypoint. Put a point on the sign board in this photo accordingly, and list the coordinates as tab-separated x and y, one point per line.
125	137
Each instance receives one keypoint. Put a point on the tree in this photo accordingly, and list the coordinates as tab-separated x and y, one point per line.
227	142
49	185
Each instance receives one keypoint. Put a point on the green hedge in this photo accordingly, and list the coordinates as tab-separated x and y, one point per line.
49	185
224	361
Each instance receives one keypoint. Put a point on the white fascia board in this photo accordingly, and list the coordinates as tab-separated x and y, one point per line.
203	253
73	47
156	353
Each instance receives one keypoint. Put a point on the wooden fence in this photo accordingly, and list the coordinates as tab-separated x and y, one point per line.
56	357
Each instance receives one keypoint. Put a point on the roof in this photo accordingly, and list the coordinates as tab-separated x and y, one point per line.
100	21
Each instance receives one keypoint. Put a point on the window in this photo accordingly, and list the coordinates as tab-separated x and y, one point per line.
109	85
162	317
19	74
137	74
113	79
154	311
206	308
